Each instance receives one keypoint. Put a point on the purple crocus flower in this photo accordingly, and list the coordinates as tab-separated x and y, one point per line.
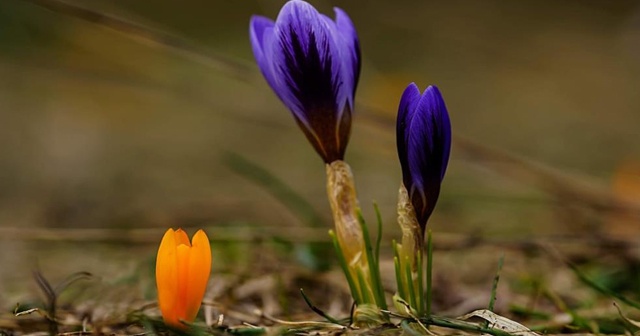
313	64
424	141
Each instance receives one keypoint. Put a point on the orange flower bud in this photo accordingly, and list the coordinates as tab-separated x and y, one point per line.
182	273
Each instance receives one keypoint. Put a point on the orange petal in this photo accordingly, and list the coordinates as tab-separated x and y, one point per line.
167	277
183	253
182	238
199	270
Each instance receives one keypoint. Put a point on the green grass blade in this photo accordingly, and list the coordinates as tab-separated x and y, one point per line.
276	187
364	293
379	237
421	297
601	289
397	264
429	272
374	270
316	309
494	287
409	281
293	201
399	281
345	268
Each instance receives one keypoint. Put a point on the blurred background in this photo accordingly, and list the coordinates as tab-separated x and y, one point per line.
120	119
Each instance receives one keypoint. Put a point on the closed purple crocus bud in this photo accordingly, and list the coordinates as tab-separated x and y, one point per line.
424	142
313	64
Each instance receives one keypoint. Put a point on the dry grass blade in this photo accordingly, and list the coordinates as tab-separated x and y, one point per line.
304	324
51	297
219	234
70	280
625	318
407	308
563	185
316	309
230	67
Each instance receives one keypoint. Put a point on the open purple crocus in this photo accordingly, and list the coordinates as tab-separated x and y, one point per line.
313	64
423	133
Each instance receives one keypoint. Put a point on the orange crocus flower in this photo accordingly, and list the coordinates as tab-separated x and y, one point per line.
182	273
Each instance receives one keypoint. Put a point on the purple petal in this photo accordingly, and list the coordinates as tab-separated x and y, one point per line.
257	26
442	125
409	99
307	72
312	63
342	72
424	142
261	36
349	50
304	58
351	46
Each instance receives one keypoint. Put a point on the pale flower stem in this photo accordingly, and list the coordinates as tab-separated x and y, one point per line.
410	252
348	231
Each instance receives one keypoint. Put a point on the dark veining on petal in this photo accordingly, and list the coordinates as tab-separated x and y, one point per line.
309	76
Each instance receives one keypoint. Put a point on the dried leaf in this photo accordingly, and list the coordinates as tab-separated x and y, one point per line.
500	322
626	319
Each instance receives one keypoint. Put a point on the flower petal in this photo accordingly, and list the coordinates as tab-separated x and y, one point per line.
351	47
261	36
442	125
308	74
313	65
167	276
182	238
408	102
348	52
424	142
199	270
183	256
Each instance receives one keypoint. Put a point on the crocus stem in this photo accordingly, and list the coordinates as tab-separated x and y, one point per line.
410	253
348	231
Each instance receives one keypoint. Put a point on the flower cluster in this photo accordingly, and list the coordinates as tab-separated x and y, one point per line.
312	63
